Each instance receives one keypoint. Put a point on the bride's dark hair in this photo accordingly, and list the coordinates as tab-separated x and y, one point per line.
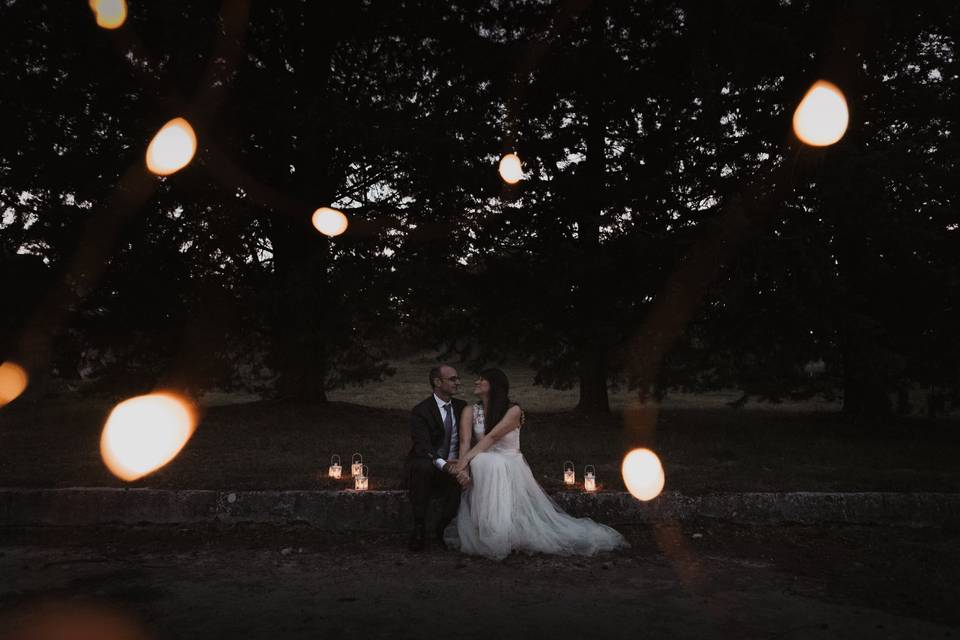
499	399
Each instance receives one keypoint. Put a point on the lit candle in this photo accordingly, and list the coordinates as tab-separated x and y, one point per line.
361	481
335	468
589	478
356	465
569	474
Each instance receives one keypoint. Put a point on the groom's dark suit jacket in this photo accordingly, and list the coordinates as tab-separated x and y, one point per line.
426	427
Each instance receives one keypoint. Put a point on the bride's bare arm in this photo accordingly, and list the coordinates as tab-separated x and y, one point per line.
466	429
509	422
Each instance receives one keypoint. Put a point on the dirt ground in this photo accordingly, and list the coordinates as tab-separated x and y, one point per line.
703	580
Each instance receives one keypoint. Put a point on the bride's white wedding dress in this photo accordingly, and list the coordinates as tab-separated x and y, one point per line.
506	509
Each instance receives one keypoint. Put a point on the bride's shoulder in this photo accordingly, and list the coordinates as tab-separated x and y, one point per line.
517	410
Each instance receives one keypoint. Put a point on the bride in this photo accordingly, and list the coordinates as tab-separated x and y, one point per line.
503	508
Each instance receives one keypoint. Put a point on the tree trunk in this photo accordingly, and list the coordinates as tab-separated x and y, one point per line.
592	345
305	311
864	389
864	395
300	356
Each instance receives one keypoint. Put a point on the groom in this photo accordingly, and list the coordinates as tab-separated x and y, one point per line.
436	445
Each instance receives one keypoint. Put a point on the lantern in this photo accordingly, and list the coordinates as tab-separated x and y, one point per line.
569	474
589	478
356	465
361	481
335	468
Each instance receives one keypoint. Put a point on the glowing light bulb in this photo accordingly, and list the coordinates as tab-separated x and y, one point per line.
144	433
172	148
511	170
822	116
110	14
13	382
329	222
643	474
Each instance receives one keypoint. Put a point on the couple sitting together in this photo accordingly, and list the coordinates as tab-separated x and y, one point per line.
469	456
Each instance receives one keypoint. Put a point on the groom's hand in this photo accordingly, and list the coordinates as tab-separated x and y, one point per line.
464	479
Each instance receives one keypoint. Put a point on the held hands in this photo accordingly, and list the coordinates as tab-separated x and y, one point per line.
464	479
461	470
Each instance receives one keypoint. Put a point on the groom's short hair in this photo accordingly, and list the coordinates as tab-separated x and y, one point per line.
436	373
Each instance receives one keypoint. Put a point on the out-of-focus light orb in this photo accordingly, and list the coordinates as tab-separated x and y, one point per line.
643	474
172	148
511	170
13	382
74	620
110	14
822	116
329	222
144	433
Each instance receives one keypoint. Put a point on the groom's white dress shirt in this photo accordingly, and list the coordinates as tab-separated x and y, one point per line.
454	452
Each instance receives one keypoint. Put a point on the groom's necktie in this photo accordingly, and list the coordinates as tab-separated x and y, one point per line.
447	430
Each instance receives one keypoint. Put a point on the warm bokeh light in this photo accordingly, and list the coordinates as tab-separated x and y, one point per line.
329	222
643	474
172	148
144	433
13	382
111	14
510	168
822	116
72	620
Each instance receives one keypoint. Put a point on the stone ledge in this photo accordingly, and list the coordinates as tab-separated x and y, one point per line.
386	510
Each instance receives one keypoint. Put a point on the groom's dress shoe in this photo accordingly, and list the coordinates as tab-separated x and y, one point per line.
418	539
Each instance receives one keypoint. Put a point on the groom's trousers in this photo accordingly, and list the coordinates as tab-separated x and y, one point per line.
427	482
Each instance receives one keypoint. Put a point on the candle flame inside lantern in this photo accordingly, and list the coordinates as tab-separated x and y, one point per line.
643	474
144	433
172	148
511	170
335	468
589	478
822	116
13	382
362	481
110	14
329	222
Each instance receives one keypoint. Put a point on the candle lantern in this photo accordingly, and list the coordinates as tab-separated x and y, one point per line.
589	478
335	468
356	465
569	475
361	481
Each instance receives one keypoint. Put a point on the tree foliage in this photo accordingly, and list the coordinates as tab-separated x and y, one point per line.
645	129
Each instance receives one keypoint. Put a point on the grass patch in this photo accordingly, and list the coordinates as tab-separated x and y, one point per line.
283	445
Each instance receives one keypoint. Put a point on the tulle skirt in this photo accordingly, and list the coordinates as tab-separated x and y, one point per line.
506	510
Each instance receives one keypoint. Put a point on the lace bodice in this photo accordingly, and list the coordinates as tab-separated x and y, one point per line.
509	443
